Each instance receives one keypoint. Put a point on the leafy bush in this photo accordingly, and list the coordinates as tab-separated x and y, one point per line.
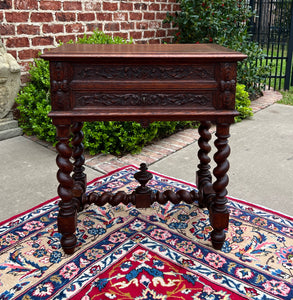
123	137
100	137
34	103
99	37
224	23
242	103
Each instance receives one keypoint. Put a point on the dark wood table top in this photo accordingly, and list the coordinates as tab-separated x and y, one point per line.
173	51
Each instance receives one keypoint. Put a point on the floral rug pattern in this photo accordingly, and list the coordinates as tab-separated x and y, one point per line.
163	252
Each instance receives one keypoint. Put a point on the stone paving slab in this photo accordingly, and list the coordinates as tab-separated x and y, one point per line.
28	175
261	159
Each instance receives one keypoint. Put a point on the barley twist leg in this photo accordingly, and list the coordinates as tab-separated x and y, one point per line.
203	175
78	175
219	214
67	217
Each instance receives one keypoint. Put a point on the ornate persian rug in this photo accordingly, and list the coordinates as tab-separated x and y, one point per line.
163	252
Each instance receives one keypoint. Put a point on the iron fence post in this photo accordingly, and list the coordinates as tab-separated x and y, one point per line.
289	54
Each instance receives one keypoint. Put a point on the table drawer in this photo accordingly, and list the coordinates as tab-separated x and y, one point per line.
144	72
130	99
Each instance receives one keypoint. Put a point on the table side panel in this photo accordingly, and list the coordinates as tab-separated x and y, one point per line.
80	87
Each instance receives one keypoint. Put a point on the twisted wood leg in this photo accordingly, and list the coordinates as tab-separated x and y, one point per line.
219	214
203	175
78	175
67	217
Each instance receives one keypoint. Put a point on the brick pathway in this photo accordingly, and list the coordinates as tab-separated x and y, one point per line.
105	163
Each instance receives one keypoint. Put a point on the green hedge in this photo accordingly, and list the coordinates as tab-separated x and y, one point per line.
242	103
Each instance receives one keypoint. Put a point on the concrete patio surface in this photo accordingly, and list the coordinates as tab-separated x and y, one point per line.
28	175
261	160
261	165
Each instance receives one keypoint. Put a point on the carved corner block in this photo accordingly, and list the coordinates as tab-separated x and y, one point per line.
60	95
227	85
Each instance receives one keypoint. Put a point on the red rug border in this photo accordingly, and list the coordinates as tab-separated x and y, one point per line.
158	174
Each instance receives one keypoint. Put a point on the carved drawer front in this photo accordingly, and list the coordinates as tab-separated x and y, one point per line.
144	72
143	85
83	100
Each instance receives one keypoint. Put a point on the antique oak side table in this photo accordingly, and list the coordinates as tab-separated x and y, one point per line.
143	83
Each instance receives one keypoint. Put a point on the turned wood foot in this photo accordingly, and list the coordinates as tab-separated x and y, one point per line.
67	227
219	221
219	214
79	176
67	217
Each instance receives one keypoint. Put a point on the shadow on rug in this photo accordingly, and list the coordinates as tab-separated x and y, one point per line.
163	252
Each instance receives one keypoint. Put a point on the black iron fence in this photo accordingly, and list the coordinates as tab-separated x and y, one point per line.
272	28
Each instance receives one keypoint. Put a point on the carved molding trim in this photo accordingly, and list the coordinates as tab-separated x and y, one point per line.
143	99
60	87
105	72
228	85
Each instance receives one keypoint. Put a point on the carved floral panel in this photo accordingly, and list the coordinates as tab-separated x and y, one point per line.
144	72
143	99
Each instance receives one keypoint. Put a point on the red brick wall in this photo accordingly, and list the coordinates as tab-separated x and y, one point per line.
27	27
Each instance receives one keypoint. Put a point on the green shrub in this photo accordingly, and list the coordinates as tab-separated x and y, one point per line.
224	23
242	103
126	137
100	137
34	103
99	37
